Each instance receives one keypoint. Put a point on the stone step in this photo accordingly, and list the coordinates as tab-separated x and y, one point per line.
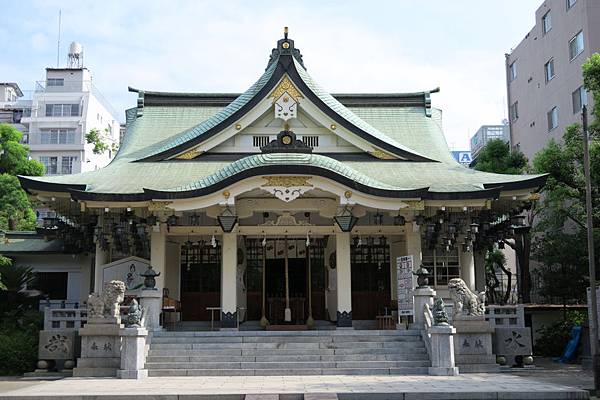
280	358
287	365
283	339
246	334
416	350
293	372
277	346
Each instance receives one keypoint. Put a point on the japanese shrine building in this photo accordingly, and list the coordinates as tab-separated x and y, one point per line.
284	204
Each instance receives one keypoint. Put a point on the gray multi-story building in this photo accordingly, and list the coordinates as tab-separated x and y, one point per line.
486	133
14	105
544	77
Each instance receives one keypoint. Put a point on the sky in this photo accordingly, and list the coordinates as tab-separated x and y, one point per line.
223	46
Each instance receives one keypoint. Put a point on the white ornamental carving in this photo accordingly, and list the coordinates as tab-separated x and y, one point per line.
286	107
286	219
287	193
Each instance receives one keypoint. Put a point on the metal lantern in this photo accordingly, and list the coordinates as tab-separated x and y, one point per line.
150	278
194	219
422	281
474	227
346	220
227	220
452	228
399	220
378	219
172	220
518	220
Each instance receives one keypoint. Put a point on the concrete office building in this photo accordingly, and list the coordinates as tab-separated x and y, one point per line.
544	79
486	133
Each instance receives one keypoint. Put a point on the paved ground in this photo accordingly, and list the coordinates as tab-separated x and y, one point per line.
467	386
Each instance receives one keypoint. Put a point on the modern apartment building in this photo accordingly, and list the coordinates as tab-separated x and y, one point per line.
65	107
544	78
14	105
486	133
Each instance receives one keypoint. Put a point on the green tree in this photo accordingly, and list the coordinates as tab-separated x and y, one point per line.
494	261
497	157
101	141
15	207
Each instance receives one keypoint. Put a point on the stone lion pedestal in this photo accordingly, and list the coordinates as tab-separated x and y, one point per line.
100	339
473	337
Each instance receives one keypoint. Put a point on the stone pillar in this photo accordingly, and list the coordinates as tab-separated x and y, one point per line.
344	280
151	302
422	296
229	282
133	353
467	269
158	253
101	258
442	350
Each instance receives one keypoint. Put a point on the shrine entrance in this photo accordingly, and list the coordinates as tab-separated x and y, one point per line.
280	275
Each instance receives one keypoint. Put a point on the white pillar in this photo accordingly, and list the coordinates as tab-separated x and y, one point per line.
229	282
413	244
467	269
100	259
344	280
158	253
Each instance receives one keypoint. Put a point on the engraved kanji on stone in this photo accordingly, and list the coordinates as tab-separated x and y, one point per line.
94	346
107	346
57	343
513	342
466	344
479	344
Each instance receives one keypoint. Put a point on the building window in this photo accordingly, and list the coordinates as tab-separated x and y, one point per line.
549	70
570	4
260	141
62	110
514	111
312	141
58	136
576	45
547	22
512	71
50	164
67	164
579	97
55	82
442	264
552	119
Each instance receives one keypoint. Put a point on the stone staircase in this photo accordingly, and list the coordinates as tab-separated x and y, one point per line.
340	352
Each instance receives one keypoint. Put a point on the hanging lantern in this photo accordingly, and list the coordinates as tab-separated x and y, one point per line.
452	228
194	219
346	220
430	228
227	219
399	220
172	220
474	227
518	220
378	219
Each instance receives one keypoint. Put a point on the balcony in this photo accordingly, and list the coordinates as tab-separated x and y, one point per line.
74	87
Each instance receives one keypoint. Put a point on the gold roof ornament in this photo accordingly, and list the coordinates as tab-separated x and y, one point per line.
382	155
286	85
190	154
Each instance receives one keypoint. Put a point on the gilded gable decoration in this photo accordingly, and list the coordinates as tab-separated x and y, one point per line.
287	188
286	85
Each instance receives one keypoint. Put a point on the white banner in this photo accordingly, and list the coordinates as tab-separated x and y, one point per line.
404	267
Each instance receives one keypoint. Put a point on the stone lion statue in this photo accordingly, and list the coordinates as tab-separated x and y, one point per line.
465	301
106	304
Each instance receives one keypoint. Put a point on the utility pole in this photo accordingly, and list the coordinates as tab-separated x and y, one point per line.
593	304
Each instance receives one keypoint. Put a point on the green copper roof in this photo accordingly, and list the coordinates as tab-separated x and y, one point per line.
259	160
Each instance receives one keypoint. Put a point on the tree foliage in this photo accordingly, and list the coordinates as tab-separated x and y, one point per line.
497	157
15	207
101	141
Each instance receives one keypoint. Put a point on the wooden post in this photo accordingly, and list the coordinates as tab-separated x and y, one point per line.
310	322
264	322
288	311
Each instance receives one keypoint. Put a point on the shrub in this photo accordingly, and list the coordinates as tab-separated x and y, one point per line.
554	338
19	344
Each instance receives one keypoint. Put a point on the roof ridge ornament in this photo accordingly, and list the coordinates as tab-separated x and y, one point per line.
285	46
286	142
